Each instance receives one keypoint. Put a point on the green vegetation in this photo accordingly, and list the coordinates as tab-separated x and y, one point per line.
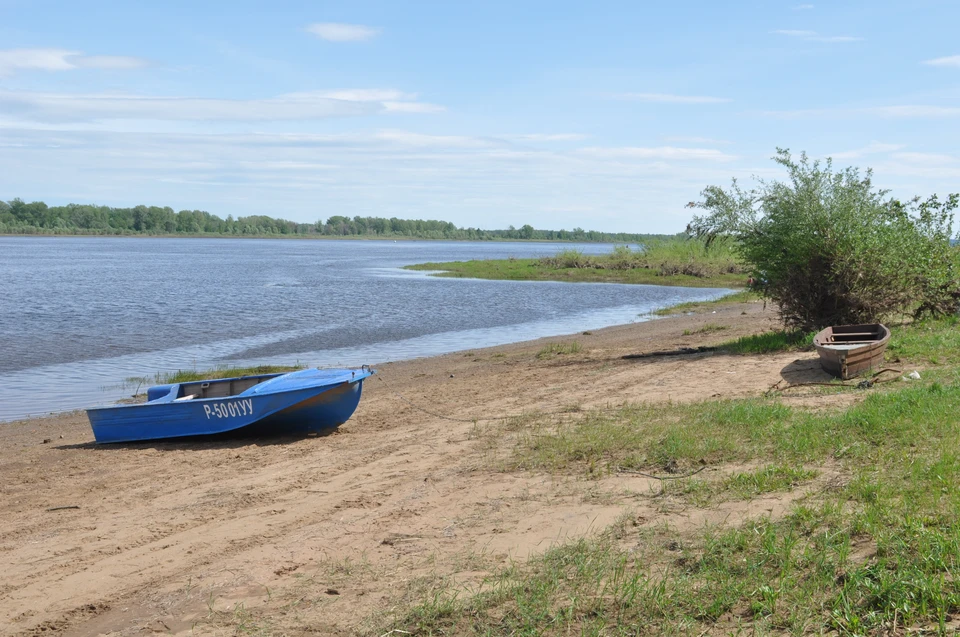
700	307
709	328
869	541
675	261
928	342
769	342
186	376
555	349
19	217
829	249
769	479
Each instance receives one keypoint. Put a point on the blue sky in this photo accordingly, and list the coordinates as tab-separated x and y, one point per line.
602	115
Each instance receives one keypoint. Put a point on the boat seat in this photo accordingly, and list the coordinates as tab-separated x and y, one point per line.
851	342
845	334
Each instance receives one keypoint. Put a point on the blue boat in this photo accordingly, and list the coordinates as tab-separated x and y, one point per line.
304	401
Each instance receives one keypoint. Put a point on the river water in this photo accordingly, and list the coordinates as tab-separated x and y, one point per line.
80	315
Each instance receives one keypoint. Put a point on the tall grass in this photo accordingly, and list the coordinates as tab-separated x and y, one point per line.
769	342
669	257
189	375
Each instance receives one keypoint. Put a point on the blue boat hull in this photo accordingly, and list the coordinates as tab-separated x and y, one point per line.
297	403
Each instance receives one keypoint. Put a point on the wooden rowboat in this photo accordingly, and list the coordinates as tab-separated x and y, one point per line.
849	350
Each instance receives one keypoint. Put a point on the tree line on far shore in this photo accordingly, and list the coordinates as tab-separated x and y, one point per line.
20	217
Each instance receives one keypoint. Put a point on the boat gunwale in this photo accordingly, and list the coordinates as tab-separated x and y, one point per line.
361	374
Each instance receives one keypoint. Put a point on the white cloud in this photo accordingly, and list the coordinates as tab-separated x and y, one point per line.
803	7
905	111
412	107
666	98
795	33
469	180
914	111
953	60
837	38
338	32
926	167
545	137
360	94
61	107
872	148
110	62
13	60
407	138
685	139
813	36
659	153
928	159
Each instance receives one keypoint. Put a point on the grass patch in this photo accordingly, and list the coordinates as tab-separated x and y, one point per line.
684	262
768	479
701	307
533	270
709	328
559	349
879	548
186	376
769	342
936	342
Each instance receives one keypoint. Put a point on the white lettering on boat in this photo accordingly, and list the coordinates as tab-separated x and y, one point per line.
229	410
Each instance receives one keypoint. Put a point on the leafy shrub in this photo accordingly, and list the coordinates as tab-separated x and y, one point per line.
830	249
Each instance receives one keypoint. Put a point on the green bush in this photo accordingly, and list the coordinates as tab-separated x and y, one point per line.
830	249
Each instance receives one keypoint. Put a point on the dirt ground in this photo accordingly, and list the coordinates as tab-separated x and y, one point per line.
327	534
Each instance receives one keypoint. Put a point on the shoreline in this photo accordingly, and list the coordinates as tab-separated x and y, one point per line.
393	238
98	382
120	537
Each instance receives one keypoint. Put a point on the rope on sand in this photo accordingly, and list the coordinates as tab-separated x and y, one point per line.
866	383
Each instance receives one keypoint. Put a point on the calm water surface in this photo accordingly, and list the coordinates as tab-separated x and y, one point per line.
80	315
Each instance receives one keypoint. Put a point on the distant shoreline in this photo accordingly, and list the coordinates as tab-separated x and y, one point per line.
297	238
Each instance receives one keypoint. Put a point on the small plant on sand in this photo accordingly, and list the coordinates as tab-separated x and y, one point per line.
189	375
709	328
555	349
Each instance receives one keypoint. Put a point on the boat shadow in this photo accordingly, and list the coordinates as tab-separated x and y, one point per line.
801	370
805	371
227	440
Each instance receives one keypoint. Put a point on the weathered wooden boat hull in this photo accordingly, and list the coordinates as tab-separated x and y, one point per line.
297	403
846	351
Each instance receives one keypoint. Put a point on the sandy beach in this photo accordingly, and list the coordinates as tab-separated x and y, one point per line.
327	534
